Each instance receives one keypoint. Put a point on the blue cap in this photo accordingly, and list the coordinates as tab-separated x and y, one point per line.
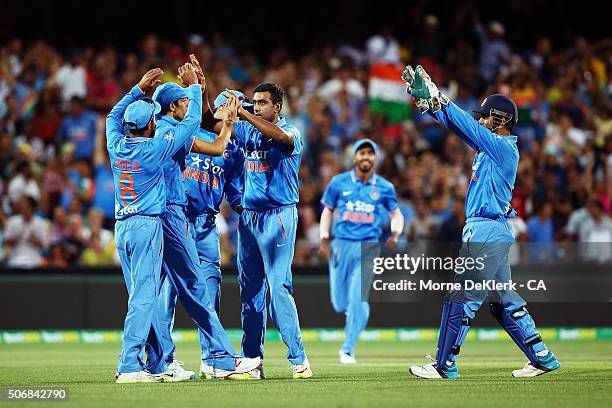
363	143
169	92
139	113
221	99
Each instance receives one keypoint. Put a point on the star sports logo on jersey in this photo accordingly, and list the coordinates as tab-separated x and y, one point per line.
129	210
208	173
358	211
255	161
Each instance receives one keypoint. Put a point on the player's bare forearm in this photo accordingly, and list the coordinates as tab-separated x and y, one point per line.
267	129
210	123
217	147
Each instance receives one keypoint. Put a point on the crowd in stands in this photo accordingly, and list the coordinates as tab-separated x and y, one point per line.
56	184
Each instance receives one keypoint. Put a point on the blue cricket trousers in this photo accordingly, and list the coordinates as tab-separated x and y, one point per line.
139	242
266	241
182	279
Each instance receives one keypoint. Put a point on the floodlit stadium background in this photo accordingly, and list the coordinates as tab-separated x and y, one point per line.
62	67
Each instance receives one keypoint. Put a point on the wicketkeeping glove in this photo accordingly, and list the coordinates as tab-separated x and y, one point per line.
423	90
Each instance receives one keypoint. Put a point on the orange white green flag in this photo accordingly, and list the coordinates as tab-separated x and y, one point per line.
387	92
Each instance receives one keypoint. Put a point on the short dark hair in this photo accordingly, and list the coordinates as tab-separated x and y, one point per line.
138	132
276	91
32	202
78	100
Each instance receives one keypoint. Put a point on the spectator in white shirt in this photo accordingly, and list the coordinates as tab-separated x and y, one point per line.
72	78
596	234
26	236
23	184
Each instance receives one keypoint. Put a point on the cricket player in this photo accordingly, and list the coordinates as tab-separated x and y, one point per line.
207	180
268	224
487	231
181	110
140	201
359	196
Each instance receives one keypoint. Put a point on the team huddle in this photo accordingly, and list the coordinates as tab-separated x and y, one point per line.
174	158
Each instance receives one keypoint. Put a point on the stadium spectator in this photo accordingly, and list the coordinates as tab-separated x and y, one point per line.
564	93
23	183
72	78
96	254
26	236
79	129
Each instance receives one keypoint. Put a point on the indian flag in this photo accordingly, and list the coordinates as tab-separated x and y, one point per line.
388	92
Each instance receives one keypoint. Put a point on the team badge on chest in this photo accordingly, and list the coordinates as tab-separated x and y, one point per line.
374	194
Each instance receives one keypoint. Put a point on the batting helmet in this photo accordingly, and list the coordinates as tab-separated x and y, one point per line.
501	108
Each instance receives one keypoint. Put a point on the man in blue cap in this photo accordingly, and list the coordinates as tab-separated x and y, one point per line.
359	196
487	233
268	223
207	180
180	114
140	201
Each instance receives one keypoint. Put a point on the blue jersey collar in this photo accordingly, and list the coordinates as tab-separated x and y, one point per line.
281	121
166	118
371	180
138	139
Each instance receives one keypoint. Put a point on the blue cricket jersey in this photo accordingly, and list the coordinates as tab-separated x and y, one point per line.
137	174
270	167
359	206
208	178
494	167
168	127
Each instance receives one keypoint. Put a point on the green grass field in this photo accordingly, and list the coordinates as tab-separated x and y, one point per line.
380	379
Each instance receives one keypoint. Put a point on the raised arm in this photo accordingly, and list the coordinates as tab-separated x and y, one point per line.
429	98
473	133
114	120
209	122
176	139
268	129
442	117
217	147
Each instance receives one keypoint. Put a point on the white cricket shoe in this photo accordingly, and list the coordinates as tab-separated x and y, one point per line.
175	372
301	371
346	358
137	377
426	371
257	373
206	371
243	366
432	371
546	364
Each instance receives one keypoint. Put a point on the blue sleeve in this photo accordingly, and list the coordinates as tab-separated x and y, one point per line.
182	134
241	131
234	187
330	195
473	133
297	140
114	120
389	198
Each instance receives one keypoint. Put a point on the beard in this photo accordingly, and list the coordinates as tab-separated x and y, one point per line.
365	165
